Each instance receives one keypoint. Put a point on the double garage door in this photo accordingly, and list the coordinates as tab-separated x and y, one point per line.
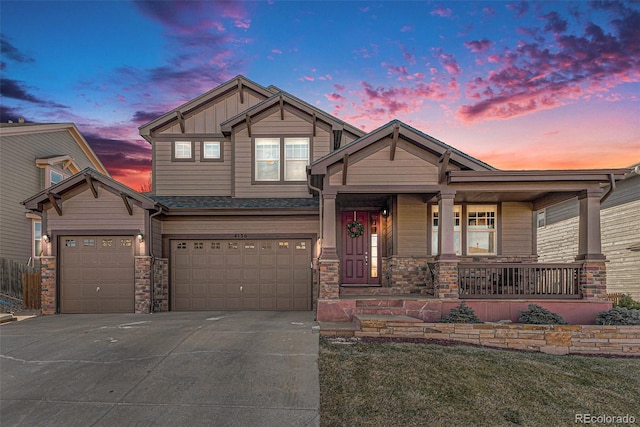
96	274
265	274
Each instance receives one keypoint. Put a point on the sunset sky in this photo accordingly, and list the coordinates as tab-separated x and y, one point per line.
518	85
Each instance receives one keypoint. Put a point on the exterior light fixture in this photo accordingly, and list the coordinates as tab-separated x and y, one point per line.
140	237
385	212
46	238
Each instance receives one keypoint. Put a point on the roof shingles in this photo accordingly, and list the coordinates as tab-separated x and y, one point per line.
224	202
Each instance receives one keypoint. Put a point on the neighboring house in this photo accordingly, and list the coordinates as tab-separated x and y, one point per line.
620	226
34	156
263	202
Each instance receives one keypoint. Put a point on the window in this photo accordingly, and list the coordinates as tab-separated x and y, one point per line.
481	230
269	152
457	212
37	238
182	151
211	150
542	218
55	177
267	159
296	158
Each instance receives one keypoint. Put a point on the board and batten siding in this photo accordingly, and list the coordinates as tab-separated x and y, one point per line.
272	126
207	121
517	228
156	232
620	229
20	179
252	227
107	213
196	178
411	217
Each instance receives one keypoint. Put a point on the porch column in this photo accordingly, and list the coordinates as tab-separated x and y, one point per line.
593	276
329	264
446	267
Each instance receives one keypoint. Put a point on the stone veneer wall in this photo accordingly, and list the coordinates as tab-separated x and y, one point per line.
142	284
446	285
407	274
553	339
161	285
48	284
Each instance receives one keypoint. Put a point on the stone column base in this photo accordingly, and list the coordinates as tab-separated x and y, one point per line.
593	280
49	287
143	284
446	283
329	279
161	285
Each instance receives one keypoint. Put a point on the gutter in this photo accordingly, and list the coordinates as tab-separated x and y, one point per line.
320	205
612	188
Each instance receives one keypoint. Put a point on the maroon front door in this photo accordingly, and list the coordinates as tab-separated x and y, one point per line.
360	253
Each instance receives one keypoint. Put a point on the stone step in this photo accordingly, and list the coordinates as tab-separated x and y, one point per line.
374	303
381	320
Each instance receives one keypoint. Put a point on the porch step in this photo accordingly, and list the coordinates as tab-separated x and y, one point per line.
375	303
384	291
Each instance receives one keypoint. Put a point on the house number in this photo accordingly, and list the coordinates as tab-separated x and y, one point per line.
240	235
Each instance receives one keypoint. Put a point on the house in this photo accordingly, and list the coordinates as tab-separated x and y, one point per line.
620	227
261	201
33	157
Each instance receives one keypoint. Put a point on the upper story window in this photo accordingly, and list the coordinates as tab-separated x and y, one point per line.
481	229
37	238
269	153
211	150
53	176
182	151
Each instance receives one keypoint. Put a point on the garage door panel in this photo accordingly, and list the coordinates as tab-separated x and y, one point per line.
242	274
91	262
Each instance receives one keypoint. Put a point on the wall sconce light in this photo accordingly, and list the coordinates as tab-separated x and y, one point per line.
140	237
385	212
46	238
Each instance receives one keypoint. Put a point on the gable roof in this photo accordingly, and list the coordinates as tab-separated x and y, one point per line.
285	98
11	129
88	176
187	108
408	133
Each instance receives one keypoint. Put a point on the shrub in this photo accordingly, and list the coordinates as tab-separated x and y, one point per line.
627	302
536	315
618	316
461	314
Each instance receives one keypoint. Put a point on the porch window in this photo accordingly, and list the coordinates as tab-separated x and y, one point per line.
37	238
481	230
457	212
267	159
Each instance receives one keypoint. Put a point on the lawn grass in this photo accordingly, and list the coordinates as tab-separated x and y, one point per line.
417	384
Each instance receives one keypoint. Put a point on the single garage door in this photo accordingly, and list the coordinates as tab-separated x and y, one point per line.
272	274
96	274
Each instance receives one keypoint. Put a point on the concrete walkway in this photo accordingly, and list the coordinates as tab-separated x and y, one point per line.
174	369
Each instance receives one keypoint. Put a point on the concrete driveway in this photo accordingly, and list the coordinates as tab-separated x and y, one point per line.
178	369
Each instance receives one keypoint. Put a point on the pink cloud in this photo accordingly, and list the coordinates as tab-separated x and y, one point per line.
449	63
309	78
442	12
478	46
335	97
406	29
276	51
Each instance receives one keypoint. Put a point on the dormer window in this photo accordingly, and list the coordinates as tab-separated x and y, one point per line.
55	177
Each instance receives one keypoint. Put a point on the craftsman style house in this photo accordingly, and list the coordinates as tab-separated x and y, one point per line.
34	157
263	202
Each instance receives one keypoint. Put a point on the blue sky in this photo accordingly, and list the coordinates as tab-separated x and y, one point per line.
520	85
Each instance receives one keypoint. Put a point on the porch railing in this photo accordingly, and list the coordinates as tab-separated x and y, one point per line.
519	280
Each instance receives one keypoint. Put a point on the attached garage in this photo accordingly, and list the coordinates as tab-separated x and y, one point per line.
96	274
265	274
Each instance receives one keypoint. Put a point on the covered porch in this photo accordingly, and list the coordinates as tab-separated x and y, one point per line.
411	226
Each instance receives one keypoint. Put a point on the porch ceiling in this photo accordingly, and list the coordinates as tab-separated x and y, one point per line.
539	198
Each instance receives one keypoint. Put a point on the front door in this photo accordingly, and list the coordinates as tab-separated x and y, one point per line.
360	248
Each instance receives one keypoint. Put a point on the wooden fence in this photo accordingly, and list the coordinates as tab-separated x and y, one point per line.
20	281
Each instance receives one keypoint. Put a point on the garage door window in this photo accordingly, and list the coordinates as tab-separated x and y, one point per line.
70	243
283	245
215	245
89	242
301	246
125	242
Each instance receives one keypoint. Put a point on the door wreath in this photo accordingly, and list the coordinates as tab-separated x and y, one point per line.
355	229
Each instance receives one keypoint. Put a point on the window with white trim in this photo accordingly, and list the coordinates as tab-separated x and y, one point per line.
211	150
481	229
457	227
37	238
182	150
281	159
296	158
267	167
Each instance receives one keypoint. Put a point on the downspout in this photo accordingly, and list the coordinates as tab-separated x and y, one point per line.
612	188
153	258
